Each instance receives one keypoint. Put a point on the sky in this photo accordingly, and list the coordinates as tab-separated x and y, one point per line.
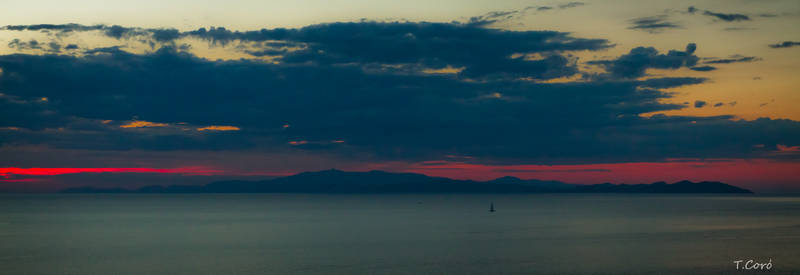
125	94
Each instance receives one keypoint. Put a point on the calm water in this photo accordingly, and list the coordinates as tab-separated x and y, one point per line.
395	234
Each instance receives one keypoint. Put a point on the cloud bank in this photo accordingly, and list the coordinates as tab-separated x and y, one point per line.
381	91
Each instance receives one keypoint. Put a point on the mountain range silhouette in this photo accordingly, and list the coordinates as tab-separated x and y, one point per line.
336	181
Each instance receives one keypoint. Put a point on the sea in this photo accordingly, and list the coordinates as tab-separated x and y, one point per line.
398	234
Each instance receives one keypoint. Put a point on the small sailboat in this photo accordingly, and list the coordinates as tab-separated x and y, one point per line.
491	207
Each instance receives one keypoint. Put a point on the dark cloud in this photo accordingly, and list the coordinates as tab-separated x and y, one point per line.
54	46
482	52
561	6
165	35
409	46
784	44
733	59
728	17
719	104
118	32
571	5
699	104
638	60
24	45
31	113
491	18
653	24
387	116
703	68
114	31
50	47
399	43
109	50
739	29
671	82
497	17
158	35
54	27
337	103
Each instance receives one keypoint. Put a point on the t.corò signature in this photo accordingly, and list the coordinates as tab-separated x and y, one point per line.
752	265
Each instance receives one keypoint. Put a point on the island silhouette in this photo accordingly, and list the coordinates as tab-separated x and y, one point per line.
337	181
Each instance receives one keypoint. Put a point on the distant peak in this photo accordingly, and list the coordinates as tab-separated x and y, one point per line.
378	172
508	178
332	170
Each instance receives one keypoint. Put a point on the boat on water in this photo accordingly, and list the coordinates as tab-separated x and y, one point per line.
491	207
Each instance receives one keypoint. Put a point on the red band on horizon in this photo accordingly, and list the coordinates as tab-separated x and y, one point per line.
39	171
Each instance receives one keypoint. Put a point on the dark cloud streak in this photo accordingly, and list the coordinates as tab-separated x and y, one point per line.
653	24
700	104
703	68
784	44
727	17
733	59
571	5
